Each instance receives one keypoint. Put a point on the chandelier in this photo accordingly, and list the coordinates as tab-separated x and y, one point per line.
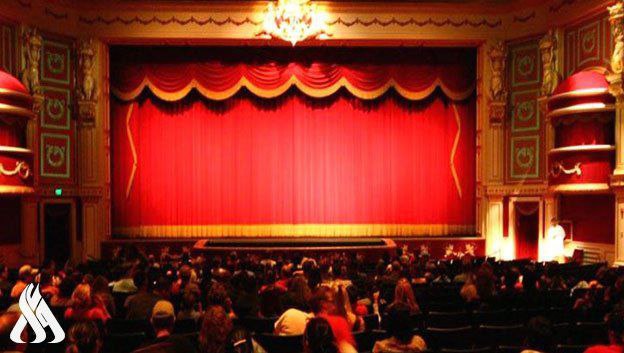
294	21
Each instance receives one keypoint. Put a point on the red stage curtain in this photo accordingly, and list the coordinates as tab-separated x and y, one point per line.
527	230
367	73
293	166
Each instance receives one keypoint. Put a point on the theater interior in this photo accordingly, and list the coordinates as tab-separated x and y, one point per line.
291	176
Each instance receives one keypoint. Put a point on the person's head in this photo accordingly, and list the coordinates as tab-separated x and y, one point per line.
25	273
298	287
318	337
400	324
189	300
163	317
81	297
83	337
100	285
403	293
323	301
554	221
217	295
270	302
540	334
66	288
286	271
615	326
140	280
185	273
239	341
216	326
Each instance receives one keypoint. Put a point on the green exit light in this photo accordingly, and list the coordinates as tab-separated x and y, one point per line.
58	192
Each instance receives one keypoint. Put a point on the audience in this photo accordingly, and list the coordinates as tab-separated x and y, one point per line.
326	300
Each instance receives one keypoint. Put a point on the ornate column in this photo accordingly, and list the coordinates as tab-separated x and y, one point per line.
615	77
495	242
551	68
31	42
496	88
89	136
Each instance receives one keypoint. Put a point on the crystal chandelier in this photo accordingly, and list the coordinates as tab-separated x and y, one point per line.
294	21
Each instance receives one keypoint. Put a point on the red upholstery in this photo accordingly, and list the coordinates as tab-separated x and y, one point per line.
7	81
582	80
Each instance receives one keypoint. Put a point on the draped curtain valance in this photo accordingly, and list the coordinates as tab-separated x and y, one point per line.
217	74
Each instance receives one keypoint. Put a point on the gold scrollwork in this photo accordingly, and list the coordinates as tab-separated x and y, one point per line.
525	157
55	151
55	108
56	63
22	169
558	168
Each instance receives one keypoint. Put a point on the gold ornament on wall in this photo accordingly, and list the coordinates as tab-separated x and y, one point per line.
22	169
550	75
616	17
31	57
87	88
497	55
558	168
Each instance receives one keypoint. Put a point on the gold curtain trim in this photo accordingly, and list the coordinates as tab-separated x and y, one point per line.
454	150
293	81
295	230
14	190
132	149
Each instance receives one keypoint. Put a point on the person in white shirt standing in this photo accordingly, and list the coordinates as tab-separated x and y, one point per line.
554	242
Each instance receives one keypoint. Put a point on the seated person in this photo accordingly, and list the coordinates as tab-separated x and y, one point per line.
292	322
319	338
401	330
163	320
323	304
540	336
615	327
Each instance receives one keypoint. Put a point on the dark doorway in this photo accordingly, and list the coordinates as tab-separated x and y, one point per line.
526	229
57	218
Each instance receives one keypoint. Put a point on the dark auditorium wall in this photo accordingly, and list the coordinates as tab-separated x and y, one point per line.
10	226
592	217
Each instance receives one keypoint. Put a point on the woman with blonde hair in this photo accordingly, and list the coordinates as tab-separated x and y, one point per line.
403	293
83	307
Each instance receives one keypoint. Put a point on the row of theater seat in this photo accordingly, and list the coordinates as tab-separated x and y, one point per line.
458	340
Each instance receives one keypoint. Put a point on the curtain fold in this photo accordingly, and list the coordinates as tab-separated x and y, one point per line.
171	74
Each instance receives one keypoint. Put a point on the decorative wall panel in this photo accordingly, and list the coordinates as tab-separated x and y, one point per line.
524	127
56	112
525	157
587	44
57	131
55	155
55	63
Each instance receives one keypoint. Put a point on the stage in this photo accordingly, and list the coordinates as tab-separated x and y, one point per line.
437	246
